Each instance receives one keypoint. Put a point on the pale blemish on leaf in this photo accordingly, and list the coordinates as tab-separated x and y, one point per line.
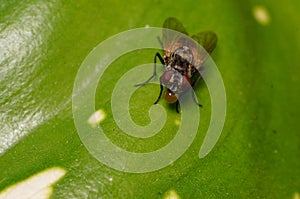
97	117
37	186
296	195
261	15
172	194
177	122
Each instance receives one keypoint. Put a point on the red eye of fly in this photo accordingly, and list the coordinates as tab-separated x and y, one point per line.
170	96
186	84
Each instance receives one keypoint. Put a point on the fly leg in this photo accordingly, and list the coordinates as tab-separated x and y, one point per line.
154	69
193	93
177	106
160	92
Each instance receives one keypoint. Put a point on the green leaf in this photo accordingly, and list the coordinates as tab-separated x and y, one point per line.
43	43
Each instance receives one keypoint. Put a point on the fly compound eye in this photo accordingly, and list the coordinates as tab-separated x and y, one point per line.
186	82
170	97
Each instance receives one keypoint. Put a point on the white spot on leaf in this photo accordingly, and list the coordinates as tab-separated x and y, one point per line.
261	15
177	122
38	186
171	195
96	118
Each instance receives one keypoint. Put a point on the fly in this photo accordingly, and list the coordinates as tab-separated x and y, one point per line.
182	59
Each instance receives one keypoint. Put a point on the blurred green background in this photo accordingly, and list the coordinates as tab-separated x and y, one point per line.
43	43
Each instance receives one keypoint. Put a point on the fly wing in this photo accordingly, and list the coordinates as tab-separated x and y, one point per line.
208	40
170	39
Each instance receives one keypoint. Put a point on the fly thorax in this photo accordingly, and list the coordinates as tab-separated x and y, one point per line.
174	81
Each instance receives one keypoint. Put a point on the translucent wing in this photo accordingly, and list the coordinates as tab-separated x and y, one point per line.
208	40
169	37
174	24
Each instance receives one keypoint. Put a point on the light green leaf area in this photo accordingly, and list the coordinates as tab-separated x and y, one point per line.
43	43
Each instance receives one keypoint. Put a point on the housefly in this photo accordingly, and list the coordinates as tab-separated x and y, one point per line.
182	60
